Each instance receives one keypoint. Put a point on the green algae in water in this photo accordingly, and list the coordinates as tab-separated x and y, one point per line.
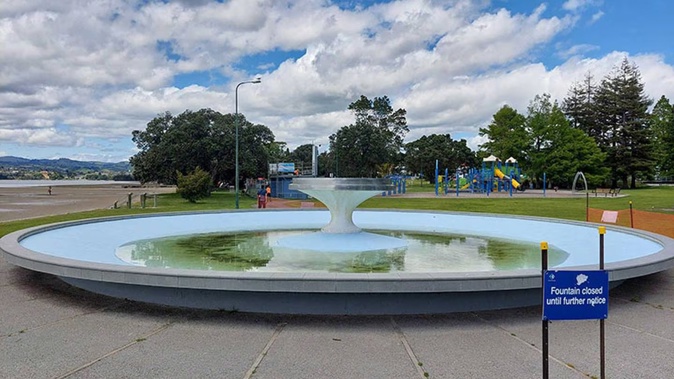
258	251
228	252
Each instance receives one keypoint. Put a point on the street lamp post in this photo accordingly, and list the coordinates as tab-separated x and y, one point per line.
236	143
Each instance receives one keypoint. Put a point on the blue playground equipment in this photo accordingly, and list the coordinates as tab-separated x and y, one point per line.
399	185
493	176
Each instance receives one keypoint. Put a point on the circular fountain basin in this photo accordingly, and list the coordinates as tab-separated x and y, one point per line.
82	253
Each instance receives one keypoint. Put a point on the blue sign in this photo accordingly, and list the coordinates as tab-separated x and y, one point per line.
286	167
575	295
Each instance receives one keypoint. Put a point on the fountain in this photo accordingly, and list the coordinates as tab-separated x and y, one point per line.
83	253
341	196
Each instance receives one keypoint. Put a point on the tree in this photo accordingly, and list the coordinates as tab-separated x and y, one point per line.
375	138
278	152
579	106
195	186
662	124
205	139
568	150
557	149
302	156
421	155
541	128
253	150
626	138
507	136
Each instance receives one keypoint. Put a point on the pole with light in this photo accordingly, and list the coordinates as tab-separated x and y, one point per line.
236	143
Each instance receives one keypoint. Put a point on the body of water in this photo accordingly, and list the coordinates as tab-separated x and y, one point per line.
12	183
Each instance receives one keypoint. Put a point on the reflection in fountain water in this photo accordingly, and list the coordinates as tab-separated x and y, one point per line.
261	251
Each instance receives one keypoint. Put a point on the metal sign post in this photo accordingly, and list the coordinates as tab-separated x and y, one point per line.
602	345
544	268
575	295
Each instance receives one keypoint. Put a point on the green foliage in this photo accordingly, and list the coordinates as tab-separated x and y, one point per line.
579	107
662	123
195	186
507	135
422	153
205	139
375	138
615	115
302	155
278	152
559	150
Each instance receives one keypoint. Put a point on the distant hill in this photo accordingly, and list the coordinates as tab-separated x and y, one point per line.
61	164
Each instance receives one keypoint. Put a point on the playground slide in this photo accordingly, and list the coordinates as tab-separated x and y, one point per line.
501	175
466	186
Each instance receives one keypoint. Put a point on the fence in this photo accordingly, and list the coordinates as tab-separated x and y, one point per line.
128	200
660	223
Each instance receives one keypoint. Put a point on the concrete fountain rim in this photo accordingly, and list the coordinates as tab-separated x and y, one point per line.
316	282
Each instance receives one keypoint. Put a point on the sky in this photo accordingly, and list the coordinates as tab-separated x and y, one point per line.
78	76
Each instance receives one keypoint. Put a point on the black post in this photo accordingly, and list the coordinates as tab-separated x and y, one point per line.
602	345
587	206
544	267
631	216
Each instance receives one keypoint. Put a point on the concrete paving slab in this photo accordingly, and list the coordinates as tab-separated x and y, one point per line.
337	347
10	273
216	346
463	346
644	318
577	343
36	299
57	348
631	354
656	290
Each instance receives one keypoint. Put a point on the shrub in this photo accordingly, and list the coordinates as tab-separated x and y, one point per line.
194	186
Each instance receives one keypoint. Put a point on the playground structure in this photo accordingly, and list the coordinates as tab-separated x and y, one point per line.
493	176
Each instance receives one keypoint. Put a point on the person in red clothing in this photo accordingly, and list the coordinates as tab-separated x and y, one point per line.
262	198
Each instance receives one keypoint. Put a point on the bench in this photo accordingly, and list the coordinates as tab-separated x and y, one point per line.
597	191
606	191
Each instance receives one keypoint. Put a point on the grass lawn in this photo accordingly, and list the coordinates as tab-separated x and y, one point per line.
657	199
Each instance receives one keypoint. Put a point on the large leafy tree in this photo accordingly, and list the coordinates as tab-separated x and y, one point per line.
278	152
203	139
374	139
507	135
421	155
302	156
254	144
662	123
172	144
541	125
558	149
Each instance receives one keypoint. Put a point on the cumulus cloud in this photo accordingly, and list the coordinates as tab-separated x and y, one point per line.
576	5
89	73
596	17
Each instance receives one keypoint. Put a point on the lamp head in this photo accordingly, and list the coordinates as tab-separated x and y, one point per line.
257	80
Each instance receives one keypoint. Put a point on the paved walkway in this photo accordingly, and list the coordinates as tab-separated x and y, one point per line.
51	330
